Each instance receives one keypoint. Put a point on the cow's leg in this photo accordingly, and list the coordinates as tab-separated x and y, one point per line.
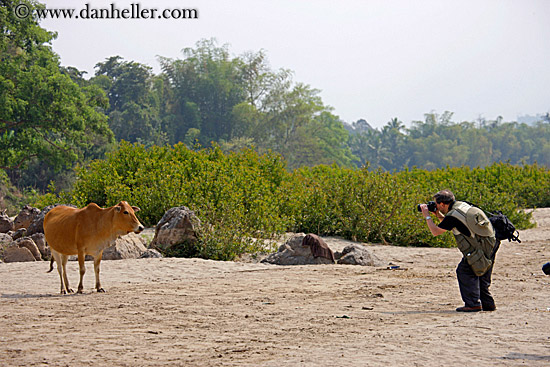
97	261
64	259
57	257
82	268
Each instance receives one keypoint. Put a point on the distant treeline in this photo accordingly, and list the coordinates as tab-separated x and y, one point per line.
239	102
54	118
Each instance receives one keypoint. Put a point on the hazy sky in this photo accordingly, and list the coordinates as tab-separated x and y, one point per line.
371	59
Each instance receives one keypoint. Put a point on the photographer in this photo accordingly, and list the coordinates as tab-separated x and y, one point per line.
475	238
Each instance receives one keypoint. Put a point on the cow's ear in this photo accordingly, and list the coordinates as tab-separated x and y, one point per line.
118	208
136	209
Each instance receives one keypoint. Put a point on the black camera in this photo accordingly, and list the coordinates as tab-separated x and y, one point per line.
432	207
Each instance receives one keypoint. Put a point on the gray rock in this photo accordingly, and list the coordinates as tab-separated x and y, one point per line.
37	225
293	253
177	226
358	255
25	217
5	239
18	250
6	223
20	233
27	242
40	241
150	254
130	246
14	253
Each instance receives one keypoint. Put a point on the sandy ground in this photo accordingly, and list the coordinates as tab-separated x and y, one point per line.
191	312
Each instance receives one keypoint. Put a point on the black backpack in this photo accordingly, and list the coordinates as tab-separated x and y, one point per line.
504	229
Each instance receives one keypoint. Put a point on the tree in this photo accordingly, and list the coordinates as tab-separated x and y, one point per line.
332	139
394	141
207	81
288	108
135	105
43	112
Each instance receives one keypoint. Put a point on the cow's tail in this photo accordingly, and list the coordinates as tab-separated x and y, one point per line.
51	265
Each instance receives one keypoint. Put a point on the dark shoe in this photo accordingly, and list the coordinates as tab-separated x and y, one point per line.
469	309
489	308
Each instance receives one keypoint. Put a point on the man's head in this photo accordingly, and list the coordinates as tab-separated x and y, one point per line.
444	199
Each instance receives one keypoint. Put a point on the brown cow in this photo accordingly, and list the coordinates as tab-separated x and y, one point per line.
86	231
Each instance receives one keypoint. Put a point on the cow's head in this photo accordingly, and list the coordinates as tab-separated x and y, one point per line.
125	218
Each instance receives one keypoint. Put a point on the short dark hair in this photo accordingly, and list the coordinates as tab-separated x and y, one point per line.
445	197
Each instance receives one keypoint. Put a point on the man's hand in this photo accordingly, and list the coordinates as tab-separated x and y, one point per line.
436	231
425	211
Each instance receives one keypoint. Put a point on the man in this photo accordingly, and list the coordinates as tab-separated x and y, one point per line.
475	238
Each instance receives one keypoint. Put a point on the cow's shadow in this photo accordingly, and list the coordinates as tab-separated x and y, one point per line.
45	295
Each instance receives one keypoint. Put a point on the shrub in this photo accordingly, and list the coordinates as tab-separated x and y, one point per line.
243	198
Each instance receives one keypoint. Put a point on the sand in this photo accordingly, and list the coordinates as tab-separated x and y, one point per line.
192	312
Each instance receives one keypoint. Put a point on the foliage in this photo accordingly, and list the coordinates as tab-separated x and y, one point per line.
11	199
134	100
234	195
43	113
243	196
439	142
240	102
356	204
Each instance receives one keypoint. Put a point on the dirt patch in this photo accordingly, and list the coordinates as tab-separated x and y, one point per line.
191	312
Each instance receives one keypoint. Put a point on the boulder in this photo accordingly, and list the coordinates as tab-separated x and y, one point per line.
357	255
25	217
14	253
294	253
20	233
37	225
6	223
27	242
130	246
318	246
150	254
40	241
5	239
177	226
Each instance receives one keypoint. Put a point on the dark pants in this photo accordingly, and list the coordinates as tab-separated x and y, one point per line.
473	289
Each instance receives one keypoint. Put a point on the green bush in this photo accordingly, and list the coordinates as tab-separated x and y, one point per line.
235	196
245	198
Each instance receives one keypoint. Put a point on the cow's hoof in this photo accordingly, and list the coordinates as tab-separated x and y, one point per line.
100	290
63	291
70	290
80	291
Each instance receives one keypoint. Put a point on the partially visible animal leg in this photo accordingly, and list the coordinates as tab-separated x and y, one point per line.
64	259
97	261
82	267
56	256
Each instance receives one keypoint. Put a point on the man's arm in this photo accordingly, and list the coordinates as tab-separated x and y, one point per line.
436	231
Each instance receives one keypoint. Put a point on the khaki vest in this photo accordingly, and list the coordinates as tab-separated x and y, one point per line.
476	249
